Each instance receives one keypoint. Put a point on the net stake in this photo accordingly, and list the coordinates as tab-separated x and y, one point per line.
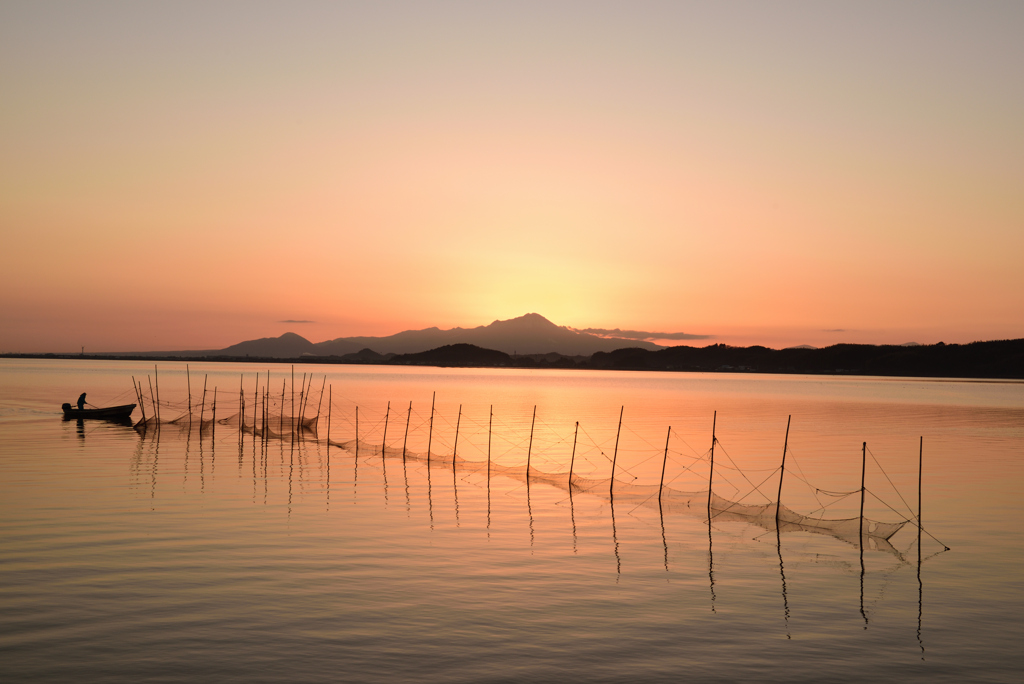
572	460
615	454
455	449
711	471
782	472
664	462
384	440
202	406
188	383
529	449
405	441
430	432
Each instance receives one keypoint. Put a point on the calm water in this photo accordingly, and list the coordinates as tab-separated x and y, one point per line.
177	555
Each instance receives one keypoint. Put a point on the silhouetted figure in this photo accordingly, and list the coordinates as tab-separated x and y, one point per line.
81	402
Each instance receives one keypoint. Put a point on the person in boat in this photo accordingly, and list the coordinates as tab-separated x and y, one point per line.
81	402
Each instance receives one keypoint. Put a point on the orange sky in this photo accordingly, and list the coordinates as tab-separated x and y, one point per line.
181	176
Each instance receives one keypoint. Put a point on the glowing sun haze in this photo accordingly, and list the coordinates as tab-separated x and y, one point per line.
190	175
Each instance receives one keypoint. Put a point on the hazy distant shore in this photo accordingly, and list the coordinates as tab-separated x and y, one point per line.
978	360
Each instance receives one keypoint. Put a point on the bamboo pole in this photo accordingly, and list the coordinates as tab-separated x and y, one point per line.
863	474
455	450
156	378
615	455
280	416
430	432
329	403
188	384
213	434
138	393
490	420
572	460
782	472
711	471
255	406
384	440
664	462
529	449
202	406
357	431
405	441
320	402
152	399
293	402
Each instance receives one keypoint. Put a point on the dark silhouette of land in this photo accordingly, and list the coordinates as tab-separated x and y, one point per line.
1002	359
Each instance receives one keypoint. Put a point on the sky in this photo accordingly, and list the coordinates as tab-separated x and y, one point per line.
188	175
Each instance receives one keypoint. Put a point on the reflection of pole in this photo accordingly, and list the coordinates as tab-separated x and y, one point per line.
573	459
529	449
711	471
615	454
430	432
661	486
213	431
782	472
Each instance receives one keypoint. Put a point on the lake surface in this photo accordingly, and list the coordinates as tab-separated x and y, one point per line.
181	553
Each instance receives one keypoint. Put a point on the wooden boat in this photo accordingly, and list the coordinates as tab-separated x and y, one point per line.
108	413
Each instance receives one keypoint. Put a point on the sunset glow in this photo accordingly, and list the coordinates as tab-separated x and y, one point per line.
187	176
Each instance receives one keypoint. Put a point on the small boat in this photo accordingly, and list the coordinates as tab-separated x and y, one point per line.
109	413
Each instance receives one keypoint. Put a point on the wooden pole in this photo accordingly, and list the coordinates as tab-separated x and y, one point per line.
782	472
529	449
711	471
188	384
863	473
455	450
241	404
255	406
384	441
490	420
152	400
293	401
329	402
302	392
430	432
284	386
572	460
664	462
615	455
156	378
405	441
357	431
213	434
202	406
320	401
138	393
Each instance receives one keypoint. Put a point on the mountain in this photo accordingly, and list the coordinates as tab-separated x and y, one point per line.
529	334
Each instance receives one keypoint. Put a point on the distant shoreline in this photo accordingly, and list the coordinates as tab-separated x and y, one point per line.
996	360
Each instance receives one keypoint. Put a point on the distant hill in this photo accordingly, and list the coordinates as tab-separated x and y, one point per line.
528	334
998	359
